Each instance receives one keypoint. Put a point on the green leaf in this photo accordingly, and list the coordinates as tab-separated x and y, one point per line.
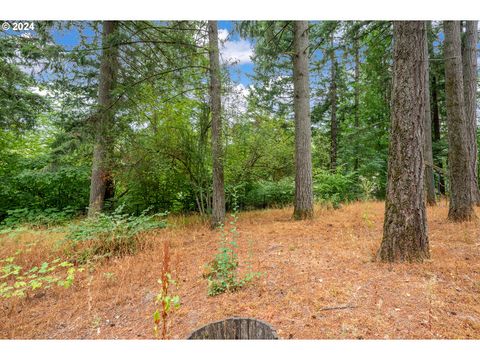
156	316
43	268
35	284
32	270
19	284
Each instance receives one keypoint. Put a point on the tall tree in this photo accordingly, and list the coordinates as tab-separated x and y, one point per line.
461	204
470	79
333	105
101	185
356	85
303	206
405	231
218	201
429	180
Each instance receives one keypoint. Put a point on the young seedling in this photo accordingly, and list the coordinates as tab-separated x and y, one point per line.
222	272
164	300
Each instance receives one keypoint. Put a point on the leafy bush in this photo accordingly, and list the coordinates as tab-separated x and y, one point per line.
334	187
264	194
328	187
38	217
110	235
40	189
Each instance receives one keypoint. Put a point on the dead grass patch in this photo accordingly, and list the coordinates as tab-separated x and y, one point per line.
308	266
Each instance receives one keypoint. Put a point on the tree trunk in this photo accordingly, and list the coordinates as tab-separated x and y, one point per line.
461	204
429	180
405	231
333	108
218	201
101	186
303	207
357	97
435	109
469	56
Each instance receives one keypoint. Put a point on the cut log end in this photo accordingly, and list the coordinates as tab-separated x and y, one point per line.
235	329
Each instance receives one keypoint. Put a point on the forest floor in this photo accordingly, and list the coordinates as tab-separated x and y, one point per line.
319	281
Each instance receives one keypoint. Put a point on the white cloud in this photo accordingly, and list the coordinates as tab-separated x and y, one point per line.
231	51
243	90
222	34
41	92
237	51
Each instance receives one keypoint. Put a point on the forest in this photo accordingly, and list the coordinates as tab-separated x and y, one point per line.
320	177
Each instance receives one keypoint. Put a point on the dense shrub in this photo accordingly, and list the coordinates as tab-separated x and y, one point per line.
263	194
48	190
110	235
335	187
46	217
327	187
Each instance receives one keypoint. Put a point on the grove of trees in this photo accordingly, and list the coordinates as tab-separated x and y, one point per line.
149	116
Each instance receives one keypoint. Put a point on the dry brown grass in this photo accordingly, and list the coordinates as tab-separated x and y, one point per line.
311	268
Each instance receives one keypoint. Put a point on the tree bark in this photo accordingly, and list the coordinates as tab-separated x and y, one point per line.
461	204
429	180
218	201
405	231
303	207
101	185
333	108
469	57
435	109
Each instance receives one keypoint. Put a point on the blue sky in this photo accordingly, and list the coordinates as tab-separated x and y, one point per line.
232	49
239	49
235	52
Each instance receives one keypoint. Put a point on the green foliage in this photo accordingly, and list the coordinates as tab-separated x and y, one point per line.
37	217
110	235
264	194
20	104
222	272
30	182
334	187
15	282
328	187
368	186
161	144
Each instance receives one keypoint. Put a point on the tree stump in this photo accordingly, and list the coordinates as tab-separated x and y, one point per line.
235	329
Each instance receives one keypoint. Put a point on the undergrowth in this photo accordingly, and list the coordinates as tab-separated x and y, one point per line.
15	281
222	272
109	235
37	217
165	302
